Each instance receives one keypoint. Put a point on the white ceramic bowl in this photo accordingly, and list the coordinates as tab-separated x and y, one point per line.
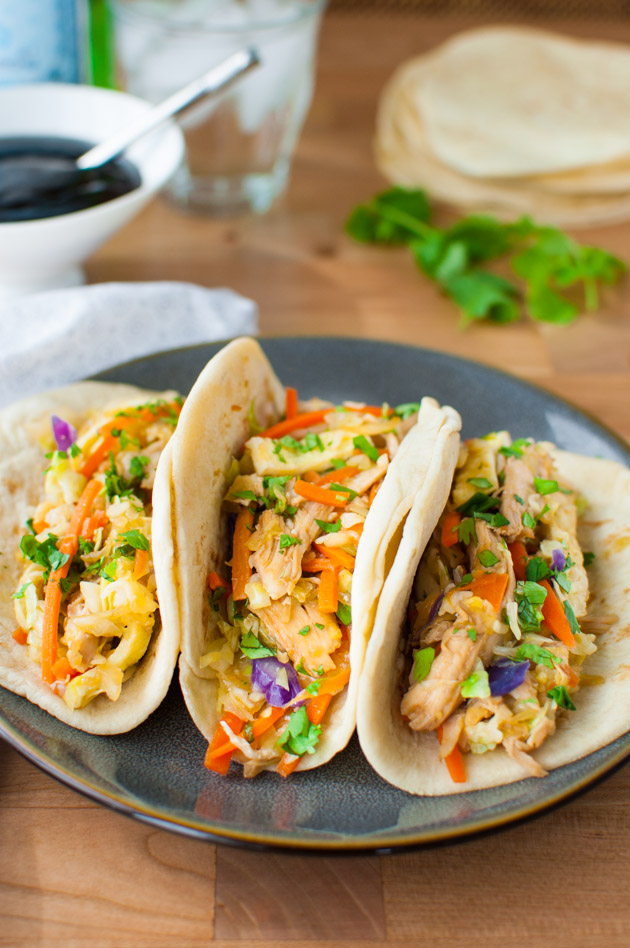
45	254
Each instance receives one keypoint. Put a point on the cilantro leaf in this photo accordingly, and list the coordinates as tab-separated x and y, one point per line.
344	614
286	541
560	695
300	736
328	527
487	558
362	443
253	648
529	596
544	486
537	654
423	659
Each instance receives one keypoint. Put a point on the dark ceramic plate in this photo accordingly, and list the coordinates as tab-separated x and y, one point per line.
156	774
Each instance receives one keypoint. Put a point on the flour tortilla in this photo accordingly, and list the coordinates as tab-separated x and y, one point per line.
212	429
508	101
403	154
409	759
24	438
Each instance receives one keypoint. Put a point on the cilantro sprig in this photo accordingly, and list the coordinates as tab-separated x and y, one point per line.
546	260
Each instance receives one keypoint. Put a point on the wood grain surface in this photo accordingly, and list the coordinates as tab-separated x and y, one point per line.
73	874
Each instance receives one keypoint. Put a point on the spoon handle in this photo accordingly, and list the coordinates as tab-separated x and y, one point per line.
213	81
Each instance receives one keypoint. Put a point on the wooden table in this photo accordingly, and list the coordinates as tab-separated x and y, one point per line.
74	874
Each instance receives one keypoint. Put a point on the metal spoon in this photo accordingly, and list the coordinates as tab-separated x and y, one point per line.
28	183
212	82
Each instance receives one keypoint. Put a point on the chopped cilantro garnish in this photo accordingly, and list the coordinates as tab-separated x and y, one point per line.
472	634
529	596
407	409
466	531
487	558
544	486
136	539
423	659
560	695
245	495
362	443
305	630
29	524
286	541
515	450
346	490
344	613
85	546
537	654
482	482
313	688
75	450
476	685
493	519
467	578
20	593
478	503
319	625
519	500
312	441
537	569
300	736
337	463
570	614
44	554
528	520
588	558
329	527
276	497
253	648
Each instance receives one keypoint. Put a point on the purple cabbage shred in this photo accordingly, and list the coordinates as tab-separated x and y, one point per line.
64	433
506	675
558	561
265	672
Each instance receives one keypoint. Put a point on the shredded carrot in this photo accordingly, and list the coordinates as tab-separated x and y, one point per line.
374	489
520	557
315	564
554	616
450	523
63	669
39	526
291	404
327	598
52	597
306	420
454	761
491	587
574	678
321	495
356	528
140	564
20	635
217	582
221	764
287	764
335	682
260	725
241	570
317	708
336	555
92	523
340	475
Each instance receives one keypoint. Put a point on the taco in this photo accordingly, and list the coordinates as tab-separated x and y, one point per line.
288	517
499	648
85	535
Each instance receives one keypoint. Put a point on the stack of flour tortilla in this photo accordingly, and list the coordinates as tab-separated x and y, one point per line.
511	121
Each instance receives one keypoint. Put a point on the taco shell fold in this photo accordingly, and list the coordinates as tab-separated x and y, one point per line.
409	759
23	427
213	427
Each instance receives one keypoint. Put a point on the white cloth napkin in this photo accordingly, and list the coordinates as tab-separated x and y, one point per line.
60	336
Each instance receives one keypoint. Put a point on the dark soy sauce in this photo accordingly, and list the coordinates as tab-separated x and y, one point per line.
38	178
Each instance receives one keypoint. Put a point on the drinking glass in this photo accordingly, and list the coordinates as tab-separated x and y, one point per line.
238	147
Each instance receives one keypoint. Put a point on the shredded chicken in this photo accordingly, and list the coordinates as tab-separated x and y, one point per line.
519	482
487	539
281	569
283	622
